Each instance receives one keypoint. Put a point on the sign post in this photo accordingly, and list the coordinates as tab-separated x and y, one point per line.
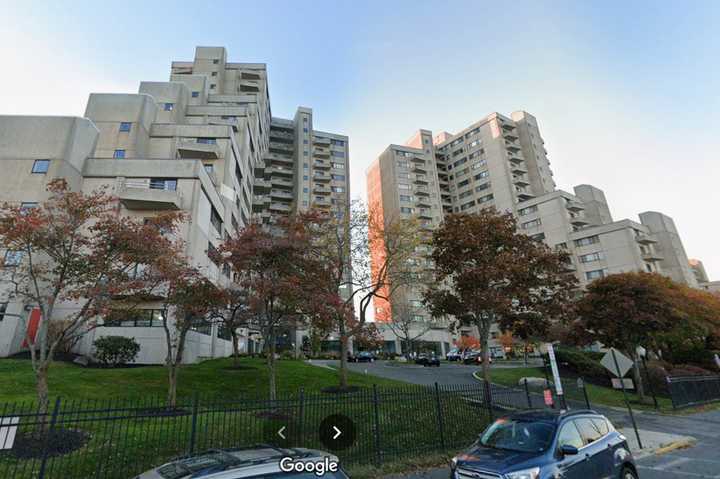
620	371
556	376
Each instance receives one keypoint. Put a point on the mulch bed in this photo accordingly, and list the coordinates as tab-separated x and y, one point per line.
30	445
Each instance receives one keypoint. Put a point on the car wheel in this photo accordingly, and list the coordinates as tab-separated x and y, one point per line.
628	473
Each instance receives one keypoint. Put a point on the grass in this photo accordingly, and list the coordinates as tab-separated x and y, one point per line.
596	394
210	378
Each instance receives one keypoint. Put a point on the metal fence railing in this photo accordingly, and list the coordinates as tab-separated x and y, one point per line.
122	438
693	390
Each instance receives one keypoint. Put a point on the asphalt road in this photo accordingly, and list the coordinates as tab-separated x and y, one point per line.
698	462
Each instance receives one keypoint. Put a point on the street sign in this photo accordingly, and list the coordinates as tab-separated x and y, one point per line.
8	429
623	362
554	368
627	382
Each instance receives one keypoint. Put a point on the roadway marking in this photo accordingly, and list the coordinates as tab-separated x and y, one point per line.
683	473
674	462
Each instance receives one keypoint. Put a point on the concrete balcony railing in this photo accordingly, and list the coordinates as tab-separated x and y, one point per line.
574	206
192	150
284	194
652	256
149	195
645	239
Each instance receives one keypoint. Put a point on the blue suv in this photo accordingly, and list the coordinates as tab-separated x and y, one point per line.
548	445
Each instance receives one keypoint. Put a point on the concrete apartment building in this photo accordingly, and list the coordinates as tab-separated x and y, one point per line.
702	278
501	162
205	143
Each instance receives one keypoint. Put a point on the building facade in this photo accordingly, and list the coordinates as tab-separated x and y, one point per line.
204	143
500	162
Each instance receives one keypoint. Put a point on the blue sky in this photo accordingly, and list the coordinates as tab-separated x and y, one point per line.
626	93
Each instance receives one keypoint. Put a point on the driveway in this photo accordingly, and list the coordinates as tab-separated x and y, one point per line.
698	462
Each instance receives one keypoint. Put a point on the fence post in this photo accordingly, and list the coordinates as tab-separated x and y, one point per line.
489	398
585	394
649	382
46	442
376	430
440	416
193	430
527	393
670	390
301	416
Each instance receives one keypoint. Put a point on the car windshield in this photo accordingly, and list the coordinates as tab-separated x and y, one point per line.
518	435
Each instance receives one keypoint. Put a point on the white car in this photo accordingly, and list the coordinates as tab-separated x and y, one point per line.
257	462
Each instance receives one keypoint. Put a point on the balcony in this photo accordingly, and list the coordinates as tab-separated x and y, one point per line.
418	159
424	213
512	147
281	194
281	148
420	179
285	135
574	206
191	150
280	181
520	181
524	196
417	168
149	195
652	256
423	201
422	190
275	157
281	170
261	184
321	176
321	165
645	239
321	141
518	168
578	221
321	202
510	134
281	207
321	190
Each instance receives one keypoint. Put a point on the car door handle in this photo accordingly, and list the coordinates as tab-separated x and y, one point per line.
587	457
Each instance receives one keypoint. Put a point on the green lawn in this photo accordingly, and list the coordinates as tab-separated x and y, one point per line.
596	394
208	378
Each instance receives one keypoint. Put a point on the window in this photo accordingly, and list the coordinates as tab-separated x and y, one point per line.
485	199
595	274
305	130
208	168
125	126
305	142
479	164
163	184
482	174
459	162
337	142
404	176
27	205
216	61
531	224
12	258
463	183
215	220
484	186
465	194
3	310
41	166
402	164
405	209
195	94
138	319
475	143
207	141
212	86
119	154
338	154
213	74
589	431
570	436
338	177
338	166
467	205
589	258
587	241
169	106
305	177
538	237
528	210
338	189
403	186
405	198
305	190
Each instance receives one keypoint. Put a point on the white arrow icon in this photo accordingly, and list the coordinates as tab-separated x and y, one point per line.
280	432
338	432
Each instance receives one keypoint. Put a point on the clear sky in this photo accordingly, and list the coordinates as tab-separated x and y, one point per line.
627	94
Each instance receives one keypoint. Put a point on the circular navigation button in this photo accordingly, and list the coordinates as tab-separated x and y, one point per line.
337	432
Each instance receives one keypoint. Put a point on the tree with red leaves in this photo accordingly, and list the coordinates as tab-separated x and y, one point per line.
485	272
269	265
75	256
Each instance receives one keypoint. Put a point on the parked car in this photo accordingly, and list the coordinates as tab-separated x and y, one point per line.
427	360
454	355
474	357
362	357
548	444
251	462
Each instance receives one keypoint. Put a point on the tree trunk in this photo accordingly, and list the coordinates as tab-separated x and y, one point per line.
484	330
172	385
41	386
271	367
639	388
342	373
525	352
236	349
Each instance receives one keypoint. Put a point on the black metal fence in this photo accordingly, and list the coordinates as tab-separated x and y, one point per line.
688	391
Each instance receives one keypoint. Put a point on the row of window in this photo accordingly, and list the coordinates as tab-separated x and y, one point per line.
531	224
587	241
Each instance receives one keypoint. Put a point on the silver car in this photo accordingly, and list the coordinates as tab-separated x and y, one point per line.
258	462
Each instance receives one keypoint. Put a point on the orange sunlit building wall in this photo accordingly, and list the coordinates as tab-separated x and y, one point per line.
377	244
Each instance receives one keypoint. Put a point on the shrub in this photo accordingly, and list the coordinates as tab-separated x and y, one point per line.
583	363
689	370
657	373
116	350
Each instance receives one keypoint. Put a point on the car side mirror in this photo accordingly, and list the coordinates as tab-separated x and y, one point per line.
568	450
